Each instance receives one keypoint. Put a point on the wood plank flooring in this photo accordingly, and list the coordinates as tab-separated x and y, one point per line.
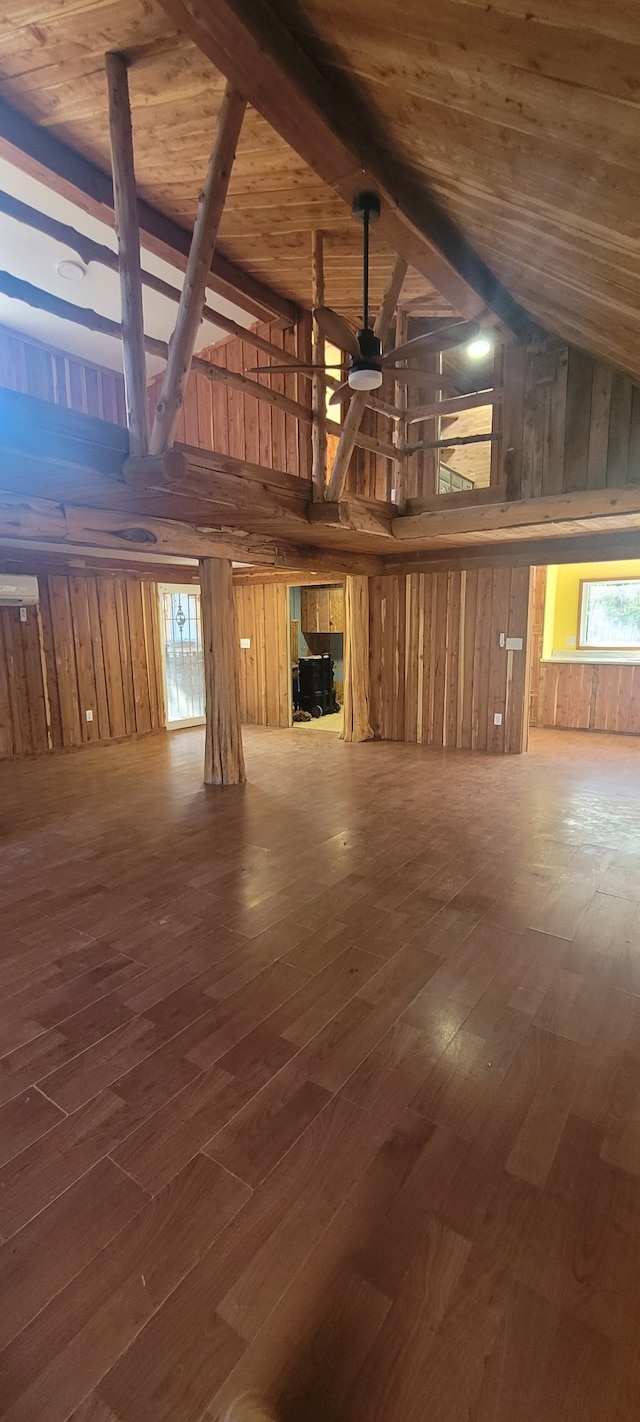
326	1086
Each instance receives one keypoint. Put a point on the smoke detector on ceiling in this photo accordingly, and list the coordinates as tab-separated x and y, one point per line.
70	269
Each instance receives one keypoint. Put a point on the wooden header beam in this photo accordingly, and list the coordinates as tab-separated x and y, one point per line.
38	152
252	47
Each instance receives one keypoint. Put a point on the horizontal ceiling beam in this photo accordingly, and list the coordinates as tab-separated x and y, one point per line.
247	42
38	152
544	513
529	553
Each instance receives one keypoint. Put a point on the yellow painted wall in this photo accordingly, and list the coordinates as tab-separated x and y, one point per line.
562	602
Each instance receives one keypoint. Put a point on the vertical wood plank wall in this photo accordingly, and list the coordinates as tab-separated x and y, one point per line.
215	417
32	368
262	613
91	644
568	422
438	673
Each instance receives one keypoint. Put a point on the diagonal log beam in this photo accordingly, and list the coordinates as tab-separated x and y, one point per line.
126	214
319	431
353	417
205	232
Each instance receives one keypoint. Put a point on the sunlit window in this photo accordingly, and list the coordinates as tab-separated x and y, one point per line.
610	613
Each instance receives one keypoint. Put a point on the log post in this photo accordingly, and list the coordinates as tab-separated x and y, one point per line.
205	232
356	660
319	429
353	417
223	753
400	428
127	231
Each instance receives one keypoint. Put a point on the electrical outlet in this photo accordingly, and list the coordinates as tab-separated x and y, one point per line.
497	718
89	715
245	642
23	614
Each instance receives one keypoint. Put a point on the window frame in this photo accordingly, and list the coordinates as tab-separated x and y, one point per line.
581	644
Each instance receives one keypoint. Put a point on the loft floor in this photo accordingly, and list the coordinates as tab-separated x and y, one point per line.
334	1095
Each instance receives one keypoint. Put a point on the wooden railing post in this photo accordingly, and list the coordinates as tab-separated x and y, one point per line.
319	429
223	753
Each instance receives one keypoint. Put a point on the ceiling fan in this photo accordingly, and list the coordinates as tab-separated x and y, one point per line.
368	366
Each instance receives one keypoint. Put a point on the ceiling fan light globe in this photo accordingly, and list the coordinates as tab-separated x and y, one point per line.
365	379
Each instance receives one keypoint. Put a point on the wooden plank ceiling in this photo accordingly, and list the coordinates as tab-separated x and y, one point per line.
522	118
52	69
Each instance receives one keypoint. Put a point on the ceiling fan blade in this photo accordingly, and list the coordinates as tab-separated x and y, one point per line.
288	369
336	330
434	342
342	393
420	379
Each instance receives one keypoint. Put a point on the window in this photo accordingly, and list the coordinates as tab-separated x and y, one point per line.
610	613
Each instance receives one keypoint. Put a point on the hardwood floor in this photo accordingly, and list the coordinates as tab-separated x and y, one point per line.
327	1085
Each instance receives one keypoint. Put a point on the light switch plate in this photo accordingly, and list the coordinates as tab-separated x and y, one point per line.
23	614
245	641
497	718
89	715
514	644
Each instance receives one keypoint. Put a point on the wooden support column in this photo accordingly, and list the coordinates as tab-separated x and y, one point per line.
205	232
126	216
356	660
353	417
223	753
319	430
400	429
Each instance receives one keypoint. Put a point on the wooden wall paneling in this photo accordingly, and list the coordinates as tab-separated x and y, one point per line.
65	660
262	613
471	577
101	702
519	663
633	471
538	585
579	384
124	646
111	644
291	425
132	595
599	426
481	656
22	703
153	653
619	431
48	649
304	393
515	360
32	368
496	704
411	657
83	639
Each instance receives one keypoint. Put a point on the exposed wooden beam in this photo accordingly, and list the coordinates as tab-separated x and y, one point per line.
354	514
356	725
587	548
227	482
223	753
38	152
248	42
126	217
353	417
24	517
454	442
453	406
319	430
205	233
552	510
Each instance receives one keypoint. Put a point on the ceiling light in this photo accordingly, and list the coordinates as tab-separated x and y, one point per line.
71	270
365	379
480	347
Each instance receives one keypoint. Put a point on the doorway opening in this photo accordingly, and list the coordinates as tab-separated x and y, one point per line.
182	656
316	627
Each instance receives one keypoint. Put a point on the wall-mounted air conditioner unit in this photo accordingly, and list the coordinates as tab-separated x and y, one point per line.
18	591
